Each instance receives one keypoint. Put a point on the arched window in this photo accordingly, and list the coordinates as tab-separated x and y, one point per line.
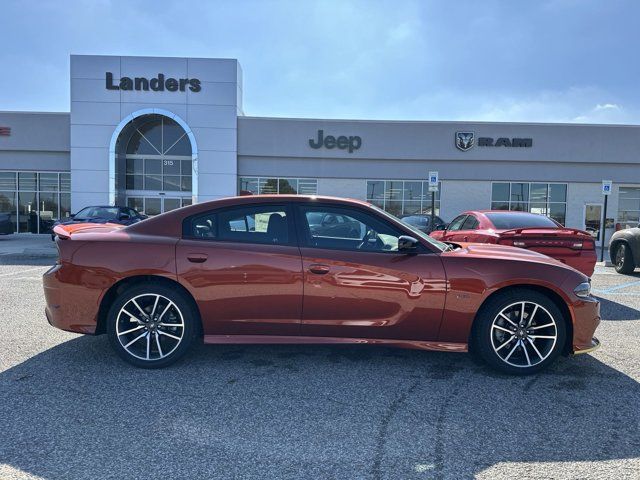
157	158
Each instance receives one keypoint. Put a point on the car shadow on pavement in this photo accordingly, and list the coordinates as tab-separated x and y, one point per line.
252	411
614	311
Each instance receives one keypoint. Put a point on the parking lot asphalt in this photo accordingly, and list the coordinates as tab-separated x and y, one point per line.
69	408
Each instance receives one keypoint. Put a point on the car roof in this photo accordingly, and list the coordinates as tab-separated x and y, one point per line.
167	223
501	211
103	206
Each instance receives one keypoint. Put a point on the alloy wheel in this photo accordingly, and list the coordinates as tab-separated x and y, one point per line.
620	256
150	327
524	334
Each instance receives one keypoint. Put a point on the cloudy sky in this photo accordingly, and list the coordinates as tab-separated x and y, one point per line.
509	60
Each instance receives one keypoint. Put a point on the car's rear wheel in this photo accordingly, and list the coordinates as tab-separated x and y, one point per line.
151	325
519	332
623	259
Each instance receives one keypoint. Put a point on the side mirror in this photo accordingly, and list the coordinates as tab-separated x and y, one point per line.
72	215
124	216
440	226
407	244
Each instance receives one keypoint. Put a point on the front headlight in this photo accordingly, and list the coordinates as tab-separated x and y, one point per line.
583	290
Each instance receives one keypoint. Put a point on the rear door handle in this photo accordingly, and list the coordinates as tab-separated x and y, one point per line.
319	269
197	257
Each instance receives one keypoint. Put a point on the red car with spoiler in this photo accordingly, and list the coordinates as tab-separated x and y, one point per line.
535	232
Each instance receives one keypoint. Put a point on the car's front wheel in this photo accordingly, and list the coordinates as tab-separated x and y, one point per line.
151	325
519	332
623	259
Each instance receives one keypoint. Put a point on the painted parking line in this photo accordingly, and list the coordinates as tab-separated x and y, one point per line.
19	272
617	287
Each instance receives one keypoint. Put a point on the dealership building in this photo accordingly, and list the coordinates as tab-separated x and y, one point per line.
159	133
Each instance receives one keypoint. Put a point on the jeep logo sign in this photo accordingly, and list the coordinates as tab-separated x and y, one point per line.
343	143
157	84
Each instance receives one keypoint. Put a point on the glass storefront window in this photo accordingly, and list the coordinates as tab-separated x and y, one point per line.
401	197
48	182
629	206
31	201
542	198
500	193
307	186
65	205
7	211
375	191
7	181
158	159
27	212
47	210
557	192
152	206
65	182
277	186
27	181
287	186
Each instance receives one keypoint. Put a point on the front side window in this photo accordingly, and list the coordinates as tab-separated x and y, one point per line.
347	229
267	224
457	222
471	223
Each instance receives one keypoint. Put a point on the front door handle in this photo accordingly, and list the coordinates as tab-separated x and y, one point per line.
197	257
465	239
319	269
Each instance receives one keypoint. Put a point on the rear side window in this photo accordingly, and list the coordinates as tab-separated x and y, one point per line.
267	224
507	221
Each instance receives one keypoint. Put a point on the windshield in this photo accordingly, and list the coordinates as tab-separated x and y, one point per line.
507	221
439	245
106	213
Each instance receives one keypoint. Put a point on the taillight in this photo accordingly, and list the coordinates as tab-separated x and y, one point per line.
584	245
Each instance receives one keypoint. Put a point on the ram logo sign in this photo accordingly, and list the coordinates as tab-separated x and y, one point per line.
464	140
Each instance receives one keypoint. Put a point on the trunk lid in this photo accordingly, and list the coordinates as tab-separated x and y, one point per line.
548	241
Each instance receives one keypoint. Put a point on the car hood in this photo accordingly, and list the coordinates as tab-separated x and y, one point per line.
503	252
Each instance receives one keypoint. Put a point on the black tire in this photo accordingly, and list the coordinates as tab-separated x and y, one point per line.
623	259
182	311
487	329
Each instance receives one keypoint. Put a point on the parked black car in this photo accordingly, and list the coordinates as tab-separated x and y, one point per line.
102	214
423	222
7	226
624	249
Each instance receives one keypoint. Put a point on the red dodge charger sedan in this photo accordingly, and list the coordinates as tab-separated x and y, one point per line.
272	269
534	232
